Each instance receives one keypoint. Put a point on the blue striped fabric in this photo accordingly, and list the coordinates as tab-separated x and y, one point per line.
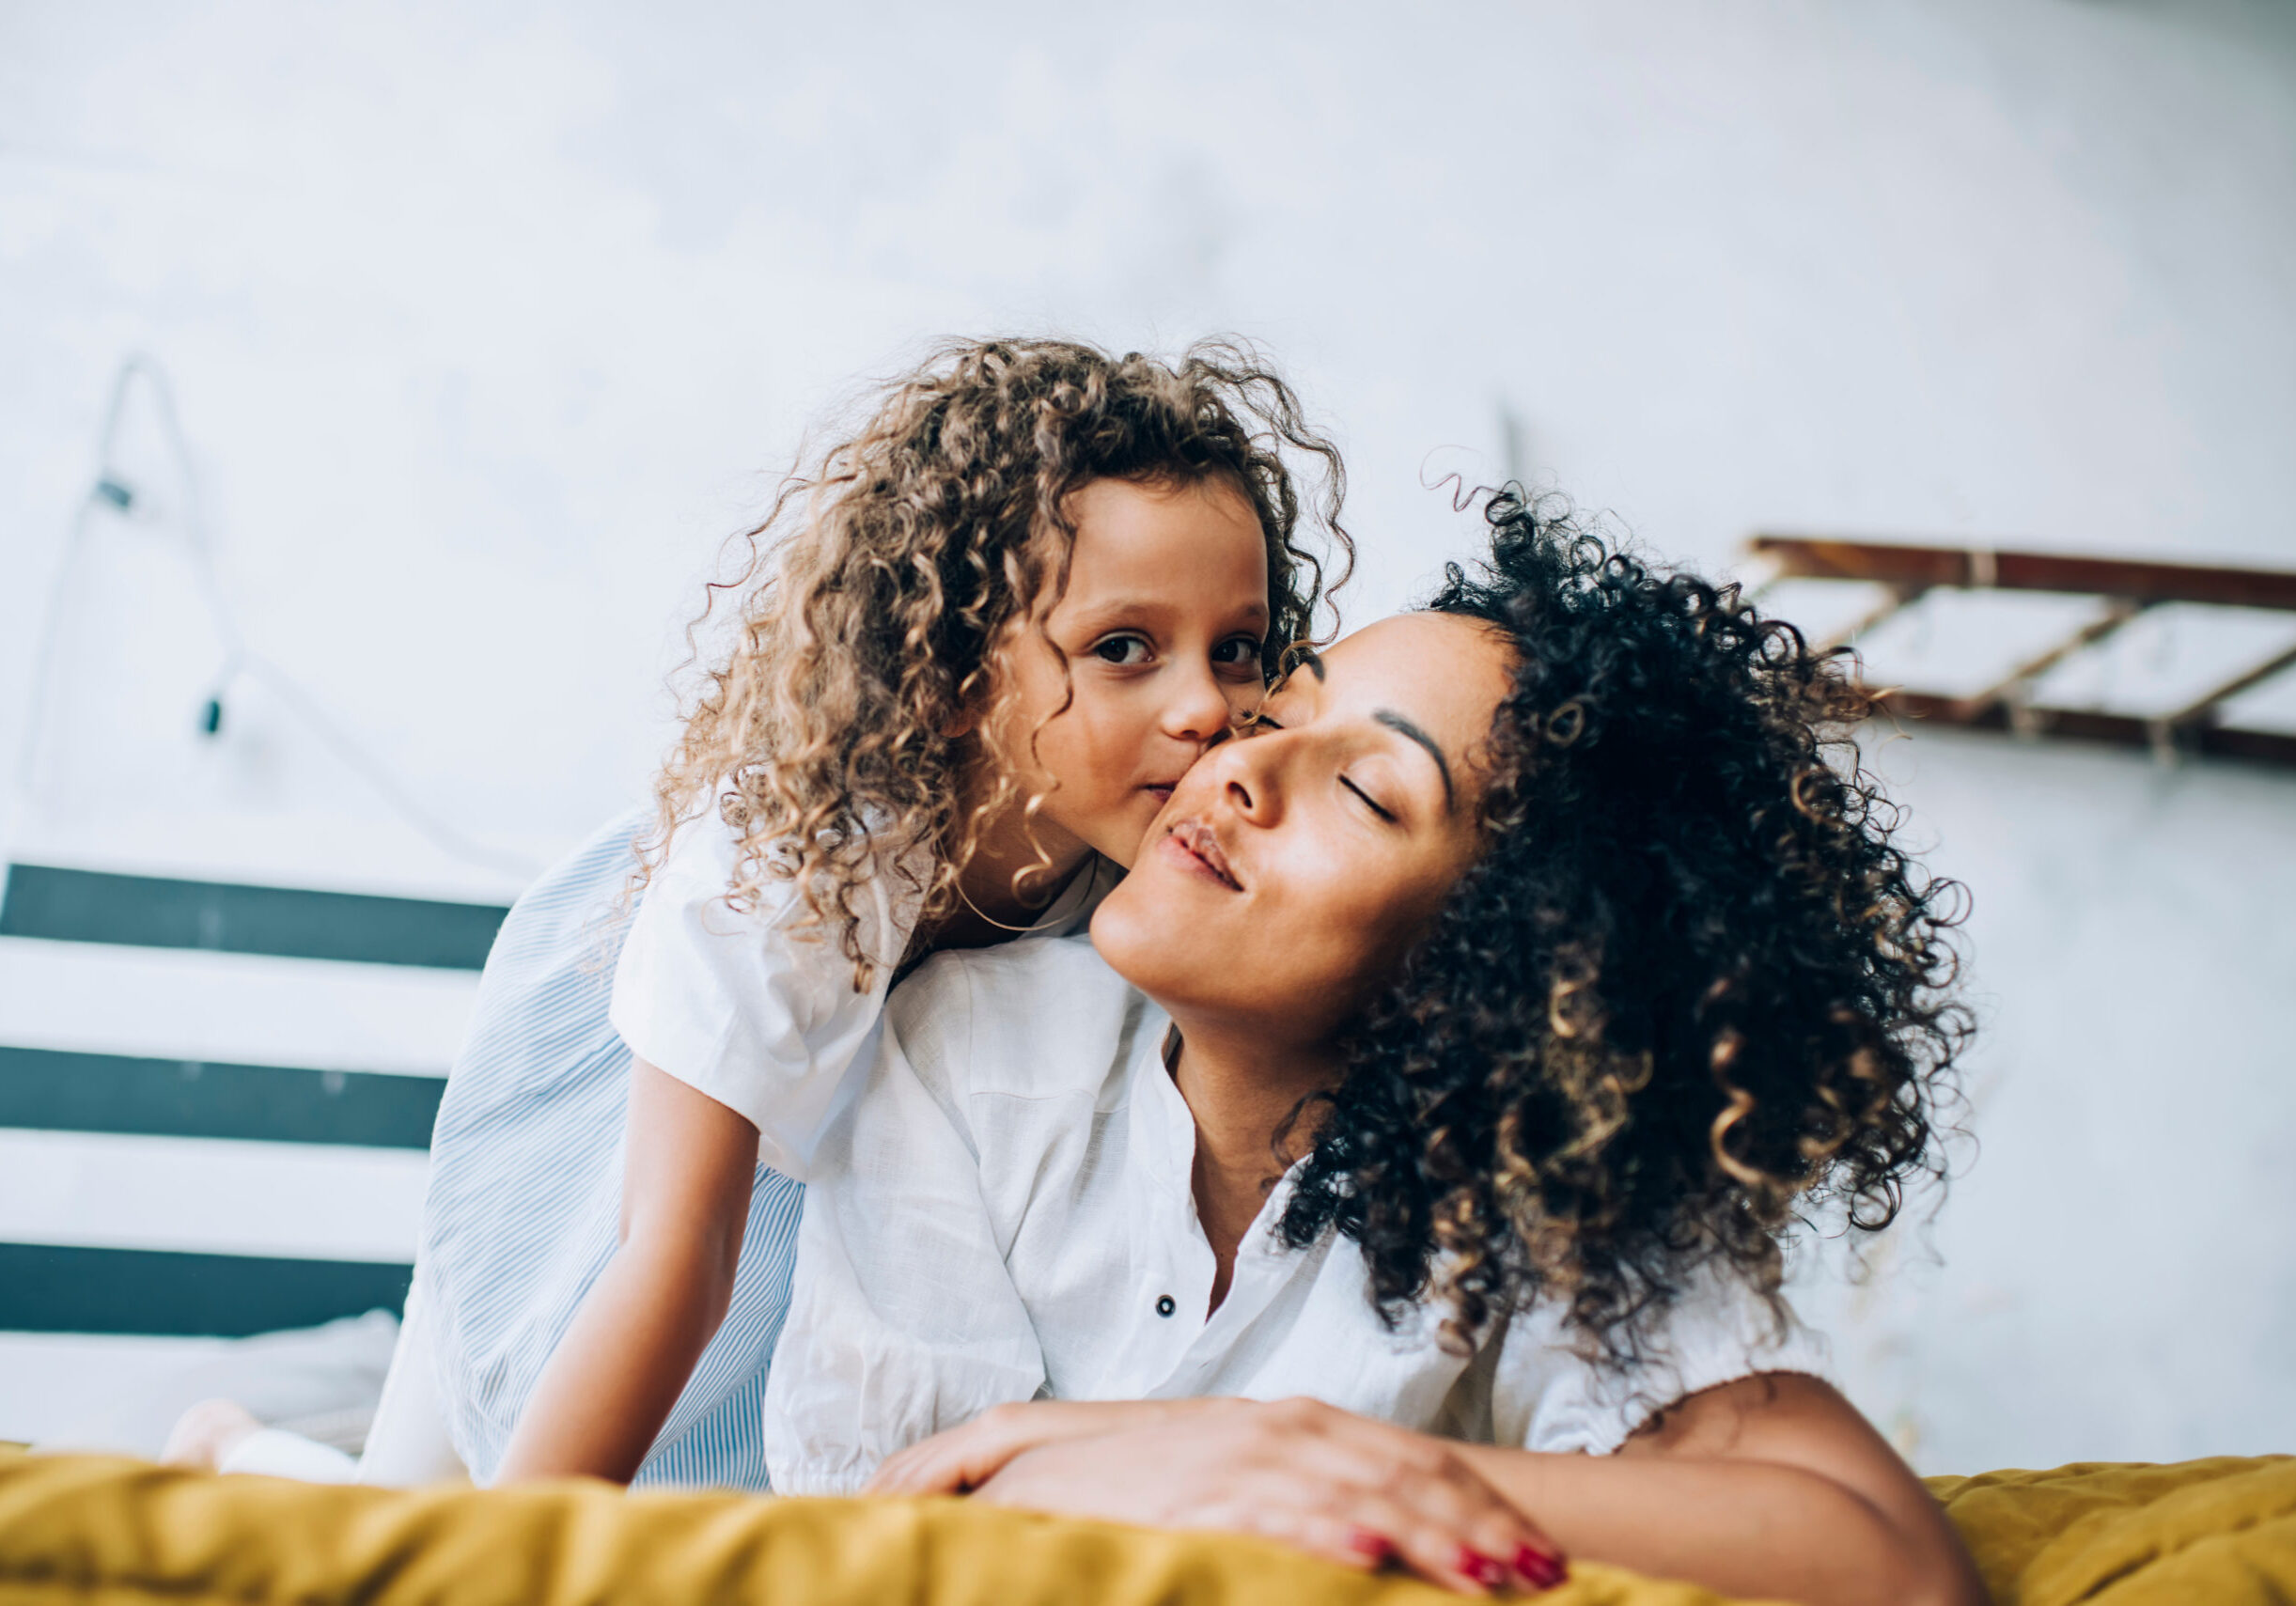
525	1189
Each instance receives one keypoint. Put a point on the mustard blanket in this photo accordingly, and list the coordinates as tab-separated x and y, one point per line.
98	1530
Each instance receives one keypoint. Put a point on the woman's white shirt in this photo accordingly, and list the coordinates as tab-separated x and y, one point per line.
1004	1211
755	1007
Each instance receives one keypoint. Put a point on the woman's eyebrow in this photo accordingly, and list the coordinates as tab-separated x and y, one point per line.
1403	727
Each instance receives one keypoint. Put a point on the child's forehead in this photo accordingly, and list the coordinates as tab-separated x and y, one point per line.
1168	544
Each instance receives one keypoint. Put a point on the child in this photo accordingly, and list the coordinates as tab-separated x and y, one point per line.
1012	611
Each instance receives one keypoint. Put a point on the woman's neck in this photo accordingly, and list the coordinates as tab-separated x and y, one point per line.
1244	1092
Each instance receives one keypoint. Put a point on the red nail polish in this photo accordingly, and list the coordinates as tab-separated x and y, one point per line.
1485	1571
1540	1570
1374	1548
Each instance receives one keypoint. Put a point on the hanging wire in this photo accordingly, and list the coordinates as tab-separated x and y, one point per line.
113	491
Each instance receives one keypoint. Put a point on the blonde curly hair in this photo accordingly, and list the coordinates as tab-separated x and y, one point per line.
877	589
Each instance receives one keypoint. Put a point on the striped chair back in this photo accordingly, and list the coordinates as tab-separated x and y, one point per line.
215	1111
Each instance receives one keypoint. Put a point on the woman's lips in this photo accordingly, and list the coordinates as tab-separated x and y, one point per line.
1198	846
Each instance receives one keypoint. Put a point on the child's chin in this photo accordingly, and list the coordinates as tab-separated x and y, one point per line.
1125	843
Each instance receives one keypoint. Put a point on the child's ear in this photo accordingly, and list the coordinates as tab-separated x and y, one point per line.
964	719
975	693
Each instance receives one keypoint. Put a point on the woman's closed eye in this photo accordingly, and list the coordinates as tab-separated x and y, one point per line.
1367	800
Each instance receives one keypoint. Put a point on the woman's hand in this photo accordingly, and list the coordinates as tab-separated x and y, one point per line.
962	1459
1354	1490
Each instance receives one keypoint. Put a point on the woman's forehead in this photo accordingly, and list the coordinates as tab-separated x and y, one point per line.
1444	671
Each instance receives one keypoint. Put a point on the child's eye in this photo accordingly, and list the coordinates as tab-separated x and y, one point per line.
1125	651
1238	651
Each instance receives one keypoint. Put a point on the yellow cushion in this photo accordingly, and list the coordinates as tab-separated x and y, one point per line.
99	1529
110	1531
2222	1530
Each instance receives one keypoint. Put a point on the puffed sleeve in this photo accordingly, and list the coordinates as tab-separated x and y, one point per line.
756	1009
1549	1392
878	1349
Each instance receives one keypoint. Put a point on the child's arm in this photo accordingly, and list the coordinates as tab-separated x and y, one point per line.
609	1386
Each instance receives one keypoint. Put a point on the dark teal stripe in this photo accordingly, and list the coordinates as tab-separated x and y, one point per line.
146	912
52	1091
48	1288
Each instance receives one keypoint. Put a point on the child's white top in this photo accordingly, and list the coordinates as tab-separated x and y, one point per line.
524	1203
756	1008
1005	1211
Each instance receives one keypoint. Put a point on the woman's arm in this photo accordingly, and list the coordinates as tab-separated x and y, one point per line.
1343	1487
610	1384
1769	1485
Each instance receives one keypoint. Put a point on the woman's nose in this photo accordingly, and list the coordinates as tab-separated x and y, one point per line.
1250	772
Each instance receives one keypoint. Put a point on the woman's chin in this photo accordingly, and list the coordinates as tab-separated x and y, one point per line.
1138	938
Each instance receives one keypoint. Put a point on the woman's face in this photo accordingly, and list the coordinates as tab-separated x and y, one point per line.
1295	865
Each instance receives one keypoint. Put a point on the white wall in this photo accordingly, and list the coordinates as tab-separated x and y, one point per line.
488	323
2113	1276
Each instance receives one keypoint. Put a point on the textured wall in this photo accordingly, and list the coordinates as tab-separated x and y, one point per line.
487	325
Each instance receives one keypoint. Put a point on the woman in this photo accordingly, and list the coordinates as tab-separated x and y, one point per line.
1479	1023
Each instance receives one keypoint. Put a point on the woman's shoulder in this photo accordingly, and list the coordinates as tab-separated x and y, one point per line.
1037	1018
1557	1387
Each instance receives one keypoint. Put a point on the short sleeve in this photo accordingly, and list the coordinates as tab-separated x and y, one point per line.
1548	1393
754	1007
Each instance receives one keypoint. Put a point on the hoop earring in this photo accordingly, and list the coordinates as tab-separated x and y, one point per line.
1023	930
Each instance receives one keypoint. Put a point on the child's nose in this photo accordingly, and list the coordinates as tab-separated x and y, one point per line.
1199	708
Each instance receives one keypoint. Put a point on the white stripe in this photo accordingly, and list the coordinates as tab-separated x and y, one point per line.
180	1004
302	851
212	1195
52	1381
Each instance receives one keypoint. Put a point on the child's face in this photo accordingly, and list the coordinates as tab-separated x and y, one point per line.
1161	623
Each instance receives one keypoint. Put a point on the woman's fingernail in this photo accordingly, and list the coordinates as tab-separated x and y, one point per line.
1485	1571
1374	1548
1539	1569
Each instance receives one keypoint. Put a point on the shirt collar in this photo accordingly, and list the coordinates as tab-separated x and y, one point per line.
1162	1135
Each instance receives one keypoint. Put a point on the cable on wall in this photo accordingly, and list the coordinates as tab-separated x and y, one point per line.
113	491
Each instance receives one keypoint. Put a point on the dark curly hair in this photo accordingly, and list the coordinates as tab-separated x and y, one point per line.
1692	992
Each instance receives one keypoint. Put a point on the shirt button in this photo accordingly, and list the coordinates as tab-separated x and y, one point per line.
1165	1306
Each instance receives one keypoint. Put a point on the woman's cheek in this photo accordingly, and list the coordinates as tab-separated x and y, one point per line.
1382	925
